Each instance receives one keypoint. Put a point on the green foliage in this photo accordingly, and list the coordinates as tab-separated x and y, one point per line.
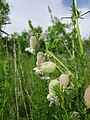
34	30
57	36
4	10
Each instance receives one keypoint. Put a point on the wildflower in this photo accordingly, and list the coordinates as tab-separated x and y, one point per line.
48	67
52	84
52	97
40	58
37	70
33	42
64	81
44	68
87	97
30	50
52	100
33	45
27	49
45	77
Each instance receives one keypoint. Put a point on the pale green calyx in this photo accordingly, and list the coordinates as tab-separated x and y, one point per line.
48	67
87	97
64	81
52	97
40	58
33	42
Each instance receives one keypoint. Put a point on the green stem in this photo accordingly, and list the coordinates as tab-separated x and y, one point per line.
67	49
59	69
73	49
77	26
60	62
79	36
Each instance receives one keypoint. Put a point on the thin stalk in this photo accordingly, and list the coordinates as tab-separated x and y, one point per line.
60	63
67	49
59	69
22	95
15	79
30	98
73	53
21	84
77	26
79	36
47	51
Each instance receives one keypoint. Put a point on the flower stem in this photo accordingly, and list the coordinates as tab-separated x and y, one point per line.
77	26
60	62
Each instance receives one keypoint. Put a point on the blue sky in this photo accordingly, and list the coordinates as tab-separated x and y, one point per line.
37	11
80	3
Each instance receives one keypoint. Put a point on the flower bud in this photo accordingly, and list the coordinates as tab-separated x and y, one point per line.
87	97
64	81
48	67
33	42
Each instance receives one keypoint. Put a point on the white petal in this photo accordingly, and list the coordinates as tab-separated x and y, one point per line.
32	51
48	97
27	49
45	78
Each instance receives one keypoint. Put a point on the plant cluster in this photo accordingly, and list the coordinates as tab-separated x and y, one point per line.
72	77
48	80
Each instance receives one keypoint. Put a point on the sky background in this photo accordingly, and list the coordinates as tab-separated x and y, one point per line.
37	11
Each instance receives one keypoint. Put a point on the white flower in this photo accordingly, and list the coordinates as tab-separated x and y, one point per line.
87	97
45	78
48	67
64	81
30	50
52	100
27	49
37	70
33	44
